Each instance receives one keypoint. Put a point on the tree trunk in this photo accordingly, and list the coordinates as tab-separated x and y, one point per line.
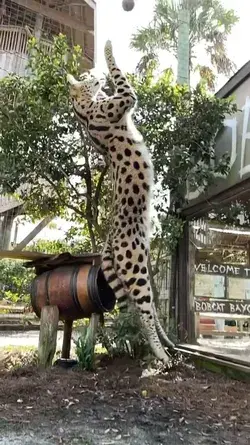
152	282
92	236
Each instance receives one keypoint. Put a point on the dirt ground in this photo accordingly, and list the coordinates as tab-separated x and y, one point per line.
115	405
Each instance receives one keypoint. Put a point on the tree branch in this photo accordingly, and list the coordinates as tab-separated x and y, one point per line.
156	268
88	180
152	282
98	190
78	194
63	201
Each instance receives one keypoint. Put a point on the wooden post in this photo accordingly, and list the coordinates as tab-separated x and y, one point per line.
34	233
183	286
191	288
92	329
91	337
48	335
197	325
67	333
248	253
6	228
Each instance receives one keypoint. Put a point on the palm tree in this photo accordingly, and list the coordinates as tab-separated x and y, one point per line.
210	25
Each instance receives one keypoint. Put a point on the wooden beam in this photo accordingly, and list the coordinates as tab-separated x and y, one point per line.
183	283
10	327
191	287
11	205
12	309
58	16
90	3
24	255
33	233
32	256
22	317
202	208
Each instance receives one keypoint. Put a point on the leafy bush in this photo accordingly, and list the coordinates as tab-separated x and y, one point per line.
125	336
85	348
173	331
122	335
15	281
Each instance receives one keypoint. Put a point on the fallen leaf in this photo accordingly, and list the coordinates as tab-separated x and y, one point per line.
69	405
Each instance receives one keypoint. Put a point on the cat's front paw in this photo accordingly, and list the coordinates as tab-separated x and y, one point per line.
108	51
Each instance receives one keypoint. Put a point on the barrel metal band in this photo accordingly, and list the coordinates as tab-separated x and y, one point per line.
48	274
92	281
73	288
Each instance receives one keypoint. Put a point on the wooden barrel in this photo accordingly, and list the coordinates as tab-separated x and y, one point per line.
77	291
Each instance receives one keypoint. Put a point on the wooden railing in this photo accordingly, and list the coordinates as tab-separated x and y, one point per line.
14	39
8	203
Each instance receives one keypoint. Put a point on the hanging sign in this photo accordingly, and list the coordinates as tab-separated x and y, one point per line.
230	270
235	307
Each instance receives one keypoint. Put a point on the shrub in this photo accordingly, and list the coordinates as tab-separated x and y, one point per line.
125	335
85	348
15	281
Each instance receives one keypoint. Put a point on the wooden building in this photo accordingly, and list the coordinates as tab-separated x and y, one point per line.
235	187
44	19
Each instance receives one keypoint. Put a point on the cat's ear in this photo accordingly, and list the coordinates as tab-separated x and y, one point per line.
71	79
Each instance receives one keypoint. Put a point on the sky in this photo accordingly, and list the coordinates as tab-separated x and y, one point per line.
117	25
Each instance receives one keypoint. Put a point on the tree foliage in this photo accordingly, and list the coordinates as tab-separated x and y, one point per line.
15	282
180	127
210	25
45	157
56	247
15	279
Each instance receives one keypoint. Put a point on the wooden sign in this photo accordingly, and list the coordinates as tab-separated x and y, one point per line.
239	307
229	270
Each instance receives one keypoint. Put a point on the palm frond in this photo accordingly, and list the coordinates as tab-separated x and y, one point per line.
207	76
147	63
210	24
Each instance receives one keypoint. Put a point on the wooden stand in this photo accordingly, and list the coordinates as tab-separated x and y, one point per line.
48	335
92	330
50	319
90	341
